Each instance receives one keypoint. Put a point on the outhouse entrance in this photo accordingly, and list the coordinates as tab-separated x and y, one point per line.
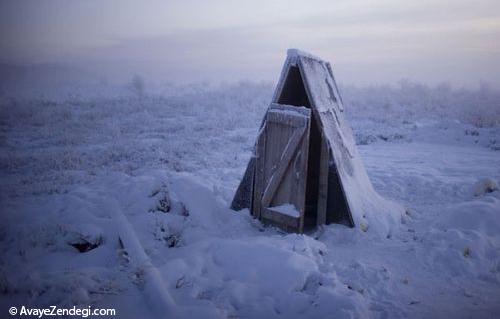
294	93
292	180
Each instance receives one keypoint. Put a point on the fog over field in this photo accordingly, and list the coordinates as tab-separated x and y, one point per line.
368	42
126	128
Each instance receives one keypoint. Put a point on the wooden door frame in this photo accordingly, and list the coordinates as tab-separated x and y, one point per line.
263	195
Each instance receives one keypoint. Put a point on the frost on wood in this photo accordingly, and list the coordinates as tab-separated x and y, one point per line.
242	197
286	209
347	195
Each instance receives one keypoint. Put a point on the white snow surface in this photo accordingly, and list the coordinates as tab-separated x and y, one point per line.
286	209
294	53
70	166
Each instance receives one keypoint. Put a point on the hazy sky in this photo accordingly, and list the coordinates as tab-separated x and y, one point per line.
190	40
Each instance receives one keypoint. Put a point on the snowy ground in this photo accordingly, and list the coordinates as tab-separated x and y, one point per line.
70	166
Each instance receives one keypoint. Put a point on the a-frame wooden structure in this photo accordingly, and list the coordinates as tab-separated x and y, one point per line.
306	170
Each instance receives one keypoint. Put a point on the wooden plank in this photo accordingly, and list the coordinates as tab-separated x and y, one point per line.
281	168
259	172
243	196
323	182
286	157
300	174
337	136
281	219
338	97
277	140
288	186
298	109
277	116
291	188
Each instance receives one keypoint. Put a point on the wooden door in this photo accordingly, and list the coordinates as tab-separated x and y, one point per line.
281	167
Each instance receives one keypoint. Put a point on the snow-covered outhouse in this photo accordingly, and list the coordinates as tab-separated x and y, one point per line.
306	170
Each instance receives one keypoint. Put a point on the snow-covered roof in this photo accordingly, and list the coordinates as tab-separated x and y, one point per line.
368	209
293	53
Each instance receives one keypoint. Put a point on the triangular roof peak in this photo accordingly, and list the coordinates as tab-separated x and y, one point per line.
310	69
293	53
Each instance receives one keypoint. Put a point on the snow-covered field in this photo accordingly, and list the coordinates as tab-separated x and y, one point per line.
70	167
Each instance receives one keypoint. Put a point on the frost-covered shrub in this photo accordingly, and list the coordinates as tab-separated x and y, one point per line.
137	86
485	186
411	101
195	127
183	129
